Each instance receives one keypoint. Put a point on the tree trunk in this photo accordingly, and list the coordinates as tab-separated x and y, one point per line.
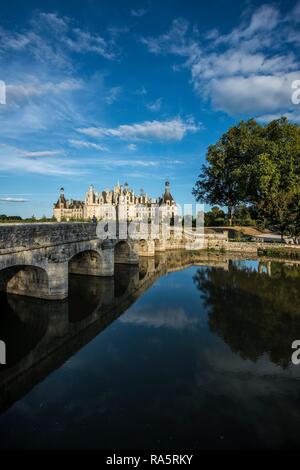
230	215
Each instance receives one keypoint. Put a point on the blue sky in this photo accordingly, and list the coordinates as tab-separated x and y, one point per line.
100	91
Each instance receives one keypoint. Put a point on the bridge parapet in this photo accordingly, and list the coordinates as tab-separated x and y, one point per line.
19	237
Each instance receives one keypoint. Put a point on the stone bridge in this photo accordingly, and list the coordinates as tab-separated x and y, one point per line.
36	259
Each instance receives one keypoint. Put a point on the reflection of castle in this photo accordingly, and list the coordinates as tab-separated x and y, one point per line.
103	205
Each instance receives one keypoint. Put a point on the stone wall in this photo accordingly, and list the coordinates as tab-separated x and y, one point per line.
255	247
18	237
216	241
244	247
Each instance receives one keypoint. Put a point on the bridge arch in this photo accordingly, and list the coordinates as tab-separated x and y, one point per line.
157	243
143	247
23	279
87	261
124	253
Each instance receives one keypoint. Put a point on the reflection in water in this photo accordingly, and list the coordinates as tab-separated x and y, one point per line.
254	313
22	325
201	352
124	274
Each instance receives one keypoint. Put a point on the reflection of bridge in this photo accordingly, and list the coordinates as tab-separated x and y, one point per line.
44	335
35	259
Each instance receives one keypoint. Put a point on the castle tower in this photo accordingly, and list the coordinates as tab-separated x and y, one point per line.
167	187
62	199
90	196
167	201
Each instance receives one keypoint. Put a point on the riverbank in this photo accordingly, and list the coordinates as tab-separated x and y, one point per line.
265	249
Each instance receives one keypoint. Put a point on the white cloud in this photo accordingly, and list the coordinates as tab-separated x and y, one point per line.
255	94
132	147
55	23
234	63
33	87
12	160
88	145
155	106
113	94
265	19
142	162
174	318
292	116
126	163
248	70
13	199
295	15
47	103
86	42
172	130
139	12
175	41
50	38
42	153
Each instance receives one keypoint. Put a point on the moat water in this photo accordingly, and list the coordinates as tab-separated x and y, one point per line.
164	356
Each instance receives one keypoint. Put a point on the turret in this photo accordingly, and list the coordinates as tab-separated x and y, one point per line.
90	195
167	197
62	198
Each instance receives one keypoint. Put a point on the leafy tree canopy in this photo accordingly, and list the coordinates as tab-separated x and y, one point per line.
258	166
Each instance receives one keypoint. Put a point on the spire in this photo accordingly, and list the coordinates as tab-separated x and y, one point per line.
167	197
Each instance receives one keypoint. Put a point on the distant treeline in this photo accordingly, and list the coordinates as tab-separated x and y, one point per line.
215	217
17	218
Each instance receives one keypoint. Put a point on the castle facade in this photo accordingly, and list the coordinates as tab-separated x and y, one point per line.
121	202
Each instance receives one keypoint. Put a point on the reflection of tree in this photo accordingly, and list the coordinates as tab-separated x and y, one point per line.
254	313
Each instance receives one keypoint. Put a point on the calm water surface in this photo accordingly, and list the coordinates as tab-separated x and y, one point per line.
195	358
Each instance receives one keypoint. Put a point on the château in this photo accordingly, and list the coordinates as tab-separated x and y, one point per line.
121	202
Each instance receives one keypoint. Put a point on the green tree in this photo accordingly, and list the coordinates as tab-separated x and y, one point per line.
243	215
275	177
257	166
225	178
215	217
